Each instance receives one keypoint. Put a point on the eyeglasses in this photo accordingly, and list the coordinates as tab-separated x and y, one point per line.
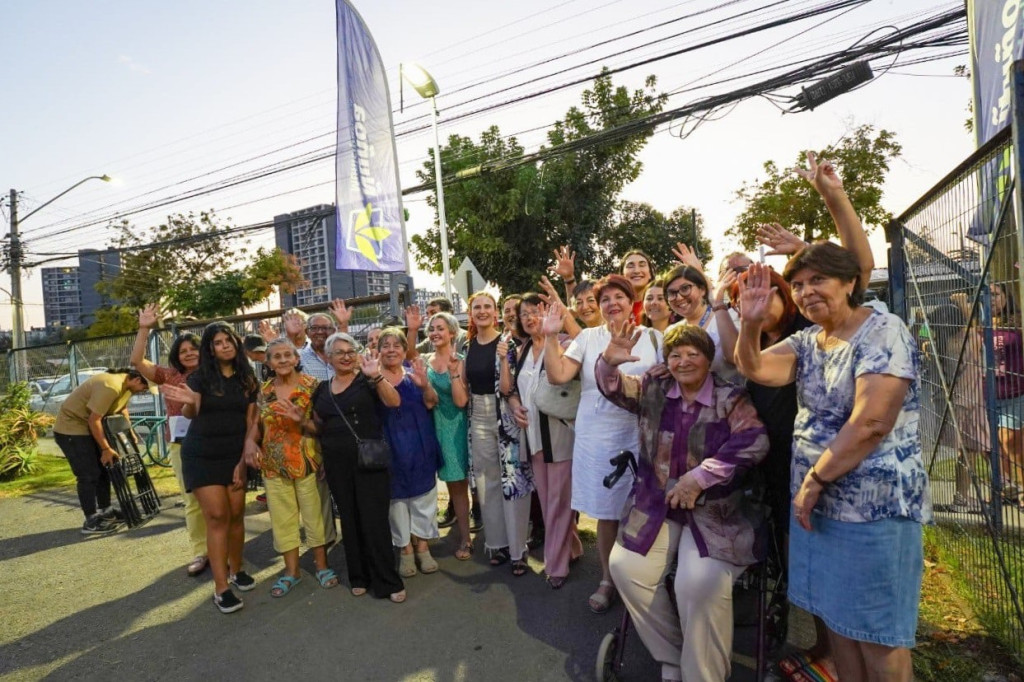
529	315
319	329
681	292
740	269
343	353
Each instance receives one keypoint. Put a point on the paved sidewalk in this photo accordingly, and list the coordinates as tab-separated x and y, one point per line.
121	607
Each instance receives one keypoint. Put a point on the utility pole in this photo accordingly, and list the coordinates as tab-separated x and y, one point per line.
18	335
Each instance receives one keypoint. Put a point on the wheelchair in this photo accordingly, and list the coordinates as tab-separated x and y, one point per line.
767	578
134	488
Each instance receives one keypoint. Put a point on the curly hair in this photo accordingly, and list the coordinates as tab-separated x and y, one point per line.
175	352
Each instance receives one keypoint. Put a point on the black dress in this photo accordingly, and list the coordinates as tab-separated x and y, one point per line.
215	438
363	497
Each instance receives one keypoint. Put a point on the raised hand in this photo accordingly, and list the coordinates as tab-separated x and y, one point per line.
149	316
822	176
341	313
419	374
756	294
724	285
287	409
182	394
370	365
413	319
503	347
293	324
781	241
454	365
687	256
550	292
565	263
551	323
620	348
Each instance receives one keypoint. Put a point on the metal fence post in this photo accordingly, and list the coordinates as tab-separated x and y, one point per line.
158	404
897	269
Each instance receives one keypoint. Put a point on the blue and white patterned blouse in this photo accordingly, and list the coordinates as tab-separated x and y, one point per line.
891	481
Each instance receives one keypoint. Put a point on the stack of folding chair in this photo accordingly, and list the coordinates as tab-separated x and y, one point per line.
135	492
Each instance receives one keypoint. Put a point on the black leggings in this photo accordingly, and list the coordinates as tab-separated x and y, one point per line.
83	454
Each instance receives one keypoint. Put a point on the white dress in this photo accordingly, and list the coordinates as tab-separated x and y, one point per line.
602	429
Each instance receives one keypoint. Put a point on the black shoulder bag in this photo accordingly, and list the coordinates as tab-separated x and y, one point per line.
372	454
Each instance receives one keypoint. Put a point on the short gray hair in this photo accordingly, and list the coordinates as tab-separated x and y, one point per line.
309	320
282	341
341	336
449	320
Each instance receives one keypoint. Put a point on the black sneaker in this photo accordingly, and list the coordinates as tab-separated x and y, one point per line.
113	515
97	525
227	602
447	520
242	581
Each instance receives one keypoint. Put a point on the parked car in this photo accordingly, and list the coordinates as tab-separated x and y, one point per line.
50	400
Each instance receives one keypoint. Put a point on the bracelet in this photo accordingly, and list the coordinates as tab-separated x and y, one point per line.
818	479
719	307
455	376
377	379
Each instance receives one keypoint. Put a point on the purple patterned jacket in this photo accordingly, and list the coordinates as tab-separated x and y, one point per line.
721	435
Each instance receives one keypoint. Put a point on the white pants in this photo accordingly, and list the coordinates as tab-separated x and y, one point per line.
414	516
506	522
693	645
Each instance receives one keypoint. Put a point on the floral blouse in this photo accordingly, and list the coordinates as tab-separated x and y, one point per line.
891	481
287	452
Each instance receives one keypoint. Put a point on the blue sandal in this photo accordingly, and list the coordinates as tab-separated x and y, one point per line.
328	578
284	585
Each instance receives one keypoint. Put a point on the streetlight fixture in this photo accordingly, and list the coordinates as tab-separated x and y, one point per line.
424	84
15	254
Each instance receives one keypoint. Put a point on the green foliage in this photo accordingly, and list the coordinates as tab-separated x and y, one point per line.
641	226
862	159
508	221
197	268
20	428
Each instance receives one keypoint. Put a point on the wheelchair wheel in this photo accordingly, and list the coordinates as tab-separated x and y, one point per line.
606	658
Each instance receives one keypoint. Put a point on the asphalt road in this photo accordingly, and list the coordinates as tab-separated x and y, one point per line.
121	607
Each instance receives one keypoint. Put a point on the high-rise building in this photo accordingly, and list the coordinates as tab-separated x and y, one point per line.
311	236
62	298
70	298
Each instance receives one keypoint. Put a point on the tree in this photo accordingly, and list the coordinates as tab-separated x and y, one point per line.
507	221
225	293
641	226
195	267
862	158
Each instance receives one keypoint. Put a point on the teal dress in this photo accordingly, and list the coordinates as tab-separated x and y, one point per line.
452	429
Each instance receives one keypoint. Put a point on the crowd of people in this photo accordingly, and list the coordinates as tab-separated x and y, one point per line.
777	383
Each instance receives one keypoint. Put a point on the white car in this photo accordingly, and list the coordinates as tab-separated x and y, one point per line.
50	400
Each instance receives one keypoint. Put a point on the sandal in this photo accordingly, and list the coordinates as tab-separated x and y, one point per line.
197	566
327	578
398	597
284	585
601	601
406	565
556	583
519	568
500	556
427	562
464	552
358	591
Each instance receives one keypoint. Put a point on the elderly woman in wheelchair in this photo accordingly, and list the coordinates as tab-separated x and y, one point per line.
699	438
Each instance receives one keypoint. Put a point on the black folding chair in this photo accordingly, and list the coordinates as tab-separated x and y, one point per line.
135	492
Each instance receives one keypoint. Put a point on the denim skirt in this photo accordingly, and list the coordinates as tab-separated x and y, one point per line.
862	579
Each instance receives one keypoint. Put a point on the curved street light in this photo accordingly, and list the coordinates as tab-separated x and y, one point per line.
18	333
424	84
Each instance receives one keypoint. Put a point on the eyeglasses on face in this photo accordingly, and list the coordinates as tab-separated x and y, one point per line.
320	329
679	292
343	353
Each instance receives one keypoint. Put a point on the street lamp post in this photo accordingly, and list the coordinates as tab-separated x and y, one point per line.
423	83
15	256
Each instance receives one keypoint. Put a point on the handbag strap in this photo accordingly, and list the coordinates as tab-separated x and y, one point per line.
342	414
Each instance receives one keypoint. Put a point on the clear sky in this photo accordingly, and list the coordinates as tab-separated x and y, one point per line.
169	97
